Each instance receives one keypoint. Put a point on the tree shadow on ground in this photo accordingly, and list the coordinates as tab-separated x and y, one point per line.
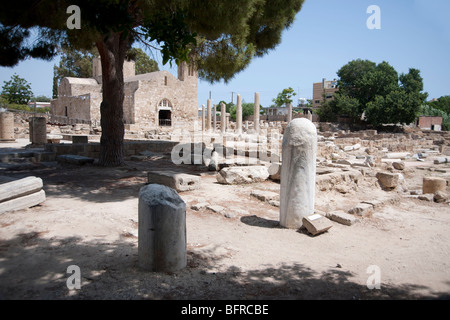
92	182
35	267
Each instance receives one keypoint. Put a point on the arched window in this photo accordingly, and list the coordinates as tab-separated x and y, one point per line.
165	113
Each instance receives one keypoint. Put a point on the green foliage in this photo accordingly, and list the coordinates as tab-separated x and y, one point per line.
376	93
17	90
40	99
430	110
443	103
142	61
284	97
74	63
25	107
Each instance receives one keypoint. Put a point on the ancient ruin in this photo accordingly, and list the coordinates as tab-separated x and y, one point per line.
380	197
154	100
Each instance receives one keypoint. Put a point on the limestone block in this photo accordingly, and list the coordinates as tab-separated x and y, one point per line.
388	180
21	187
361	209
341	217
199	206
433	184
79	139
265	196
399	165
175	180
242	175
298	173
316	224
74	159
162	229
23	202
440	196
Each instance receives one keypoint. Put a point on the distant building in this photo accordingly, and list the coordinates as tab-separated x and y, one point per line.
430	123
152	100
320	88
39	104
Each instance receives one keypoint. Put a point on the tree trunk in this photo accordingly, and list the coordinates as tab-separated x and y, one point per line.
112	54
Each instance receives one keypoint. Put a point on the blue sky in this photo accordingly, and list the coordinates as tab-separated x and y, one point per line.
326	35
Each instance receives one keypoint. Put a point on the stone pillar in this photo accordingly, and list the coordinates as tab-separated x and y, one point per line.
223	117
208	115
162	229
7	127
203	117
38	130
239	114
298	173
289	117
256	112
214	118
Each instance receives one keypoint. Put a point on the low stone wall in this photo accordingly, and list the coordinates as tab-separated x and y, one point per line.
92	149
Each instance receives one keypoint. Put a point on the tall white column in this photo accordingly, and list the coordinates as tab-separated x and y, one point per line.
239	114
298	173
223	117
208	115
256	112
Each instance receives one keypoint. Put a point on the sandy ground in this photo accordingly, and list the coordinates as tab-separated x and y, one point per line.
90	220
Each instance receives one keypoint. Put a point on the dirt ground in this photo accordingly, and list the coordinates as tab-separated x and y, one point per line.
90	220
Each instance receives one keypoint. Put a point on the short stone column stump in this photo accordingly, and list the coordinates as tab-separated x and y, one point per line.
162	229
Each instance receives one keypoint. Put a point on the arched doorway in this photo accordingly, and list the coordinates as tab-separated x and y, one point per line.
165	113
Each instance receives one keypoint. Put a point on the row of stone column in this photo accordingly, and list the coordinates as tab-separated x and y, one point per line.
211	115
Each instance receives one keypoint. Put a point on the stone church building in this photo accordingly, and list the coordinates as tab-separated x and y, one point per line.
156	100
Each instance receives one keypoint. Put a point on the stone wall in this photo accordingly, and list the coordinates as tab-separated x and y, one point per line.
92	150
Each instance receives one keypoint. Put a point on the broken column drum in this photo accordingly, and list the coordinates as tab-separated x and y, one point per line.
7	127
298	173
162	229
38	130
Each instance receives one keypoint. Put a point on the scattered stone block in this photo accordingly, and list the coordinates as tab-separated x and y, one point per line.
342	217
242	175
316	224
199	206
221	210
399	165
216	208
426	197
74	159
388	181
79	139
18	188
274	203
361	209
175	180
433	184
23	202
265	195
21	194
440	196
